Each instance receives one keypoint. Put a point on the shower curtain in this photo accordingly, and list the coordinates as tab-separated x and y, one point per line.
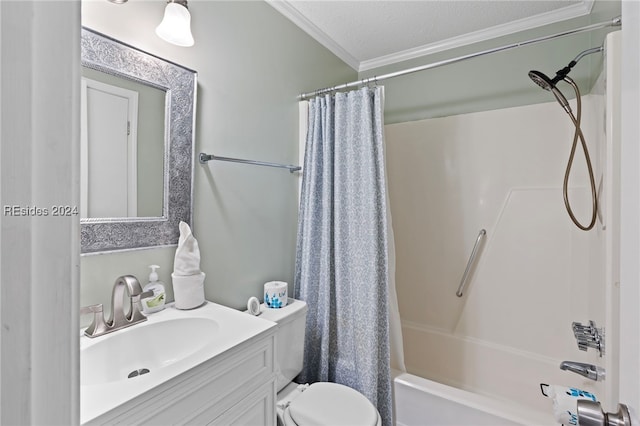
344	265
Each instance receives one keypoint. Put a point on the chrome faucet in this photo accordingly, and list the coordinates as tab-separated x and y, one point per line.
589	371
119	318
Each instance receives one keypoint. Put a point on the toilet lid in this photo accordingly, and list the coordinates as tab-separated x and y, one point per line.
332	404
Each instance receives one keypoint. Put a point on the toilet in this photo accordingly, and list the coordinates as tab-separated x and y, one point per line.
321	403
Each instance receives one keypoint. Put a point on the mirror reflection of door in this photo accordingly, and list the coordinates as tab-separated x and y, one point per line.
109	171
103	124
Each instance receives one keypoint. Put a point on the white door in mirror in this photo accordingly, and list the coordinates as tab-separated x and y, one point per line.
109	150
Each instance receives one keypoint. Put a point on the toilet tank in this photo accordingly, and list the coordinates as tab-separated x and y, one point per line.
291	321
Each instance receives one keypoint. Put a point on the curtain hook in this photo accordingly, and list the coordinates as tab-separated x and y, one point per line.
371	82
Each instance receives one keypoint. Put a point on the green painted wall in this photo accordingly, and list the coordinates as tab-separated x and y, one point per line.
251	63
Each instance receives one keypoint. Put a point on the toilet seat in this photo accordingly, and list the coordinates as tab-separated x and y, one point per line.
332	404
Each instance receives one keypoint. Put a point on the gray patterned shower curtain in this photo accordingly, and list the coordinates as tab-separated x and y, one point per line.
343	263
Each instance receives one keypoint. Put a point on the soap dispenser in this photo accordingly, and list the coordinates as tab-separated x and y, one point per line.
156	302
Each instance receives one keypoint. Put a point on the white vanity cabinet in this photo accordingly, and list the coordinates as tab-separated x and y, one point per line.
236	387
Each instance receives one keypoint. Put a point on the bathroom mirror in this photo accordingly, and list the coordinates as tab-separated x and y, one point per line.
122	147
158	206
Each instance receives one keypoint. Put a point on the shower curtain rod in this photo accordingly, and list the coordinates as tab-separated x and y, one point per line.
615	22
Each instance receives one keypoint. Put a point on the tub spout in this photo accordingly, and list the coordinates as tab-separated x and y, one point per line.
589	371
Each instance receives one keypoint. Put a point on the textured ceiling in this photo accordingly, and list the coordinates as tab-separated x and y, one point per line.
371	33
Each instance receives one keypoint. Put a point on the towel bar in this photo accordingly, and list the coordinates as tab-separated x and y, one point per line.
204	158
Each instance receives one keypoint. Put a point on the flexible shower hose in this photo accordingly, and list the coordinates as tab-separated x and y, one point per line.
578	135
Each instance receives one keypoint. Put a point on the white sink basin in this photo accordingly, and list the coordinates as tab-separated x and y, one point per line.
143	348
168	344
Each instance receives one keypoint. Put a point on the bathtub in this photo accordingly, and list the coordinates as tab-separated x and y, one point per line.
422	402
479	359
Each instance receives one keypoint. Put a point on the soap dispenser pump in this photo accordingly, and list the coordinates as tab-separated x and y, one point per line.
156	302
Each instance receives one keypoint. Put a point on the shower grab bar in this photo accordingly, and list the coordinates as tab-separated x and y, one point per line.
204	158
472	259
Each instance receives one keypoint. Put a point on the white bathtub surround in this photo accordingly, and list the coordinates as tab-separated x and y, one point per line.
537	273
342	259
187	278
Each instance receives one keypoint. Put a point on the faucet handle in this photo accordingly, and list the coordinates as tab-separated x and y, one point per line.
98	325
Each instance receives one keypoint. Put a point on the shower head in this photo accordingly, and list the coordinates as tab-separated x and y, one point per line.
549	85
541	80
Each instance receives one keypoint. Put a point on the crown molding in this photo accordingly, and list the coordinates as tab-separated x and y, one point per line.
286	8
559	15
288	11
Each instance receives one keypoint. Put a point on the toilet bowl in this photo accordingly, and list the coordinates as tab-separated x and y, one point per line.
318	404
325	403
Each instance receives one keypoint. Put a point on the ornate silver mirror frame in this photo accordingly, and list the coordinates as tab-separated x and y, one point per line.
113	57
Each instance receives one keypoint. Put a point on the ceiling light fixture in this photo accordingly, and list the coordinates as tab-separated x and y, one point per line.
176	24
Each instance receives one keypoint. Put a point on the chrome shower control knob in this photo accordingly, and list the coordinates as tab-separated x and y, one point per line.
590	414
589	336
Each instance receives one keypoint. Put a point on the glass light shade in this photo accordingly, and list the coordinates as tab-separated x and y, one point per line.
176	25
